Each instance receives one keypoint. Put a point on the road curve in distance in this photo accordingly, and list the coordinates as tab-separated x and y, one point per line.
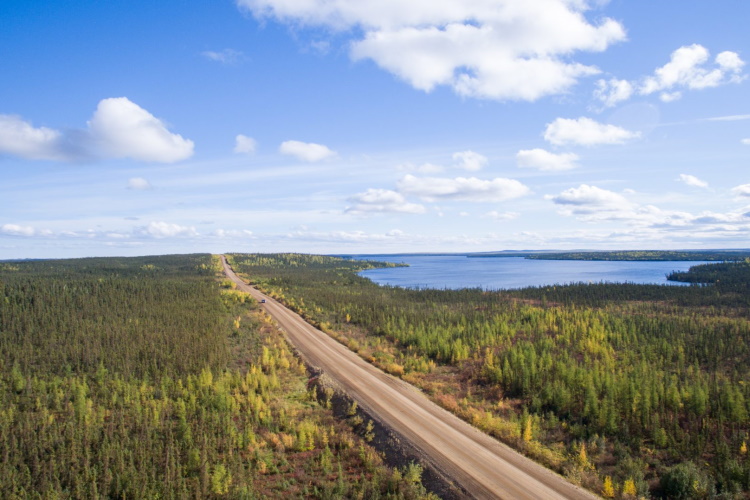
481	465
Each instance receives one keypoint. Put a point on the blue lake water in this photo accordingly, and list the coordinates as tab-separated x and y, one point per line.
457	271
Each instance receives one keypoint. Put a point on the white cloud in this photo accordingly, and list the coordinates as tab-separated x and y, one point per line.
20	138
585	198
729	118
233	233
117	236
154	230
382	201
492	49
731	62
16	230
226	56
691	180
119	128
586	132
595	205
494	214
734	217
139	184
742	191
670	96
122	129
746	141
688	69
306	151
469	160
544	160
347	236
166	230
425	168
612	91
462	188
244	144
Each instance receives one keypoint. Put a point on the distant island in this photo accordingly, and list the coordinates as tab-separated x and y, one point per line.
629	255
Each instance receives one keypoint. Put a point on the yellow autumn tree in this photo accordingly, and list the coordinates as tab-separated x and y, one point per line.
527	430
608	490
628	489
583	458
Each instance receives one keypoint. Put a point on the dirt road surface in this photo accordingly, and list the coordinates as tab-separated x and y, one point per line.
482	466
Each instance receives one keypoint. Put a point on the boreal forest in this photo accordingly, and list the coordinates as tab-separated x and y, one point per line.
153	378
633	391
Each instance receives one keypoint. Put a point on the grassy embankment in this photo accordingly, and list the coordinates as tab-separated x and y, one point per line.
143	378
629	390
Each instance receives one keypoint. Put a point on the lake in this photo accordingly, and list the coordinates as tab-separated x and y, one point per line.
458	271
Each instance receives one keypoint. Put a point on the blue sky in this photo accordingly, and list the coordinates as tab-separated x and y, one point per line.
337	126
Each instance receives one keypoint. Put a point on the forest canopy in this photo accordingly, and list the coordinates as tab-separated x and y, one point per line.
624	386
148	378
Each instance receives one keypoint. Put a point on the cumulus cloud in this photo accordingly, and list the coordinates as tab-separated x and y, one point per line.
494	214
16	230
692	180
493	49
462	188
596	205
613	91
226	56
382	201
119	128
544	160
139	184
22	139
165	230
586	132
469	160
585	199
30	231
742	191
688	68
306	151
244	144
122	129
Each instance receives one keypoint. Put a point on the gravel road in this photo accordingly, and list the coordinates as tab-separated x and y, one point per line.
482	466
